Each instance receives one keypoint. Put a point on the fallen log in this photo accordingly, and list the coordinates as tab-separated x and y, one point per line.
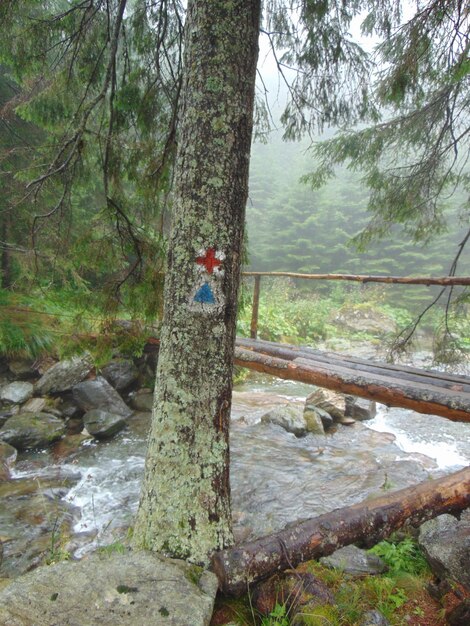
387	389
366	523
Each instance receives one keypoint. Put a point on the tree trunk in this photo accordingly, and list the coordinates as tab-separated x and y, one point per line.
367	522
185	502
6	278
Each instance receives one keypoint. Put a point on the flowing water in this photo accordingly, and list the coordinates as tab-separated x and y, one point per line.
91	496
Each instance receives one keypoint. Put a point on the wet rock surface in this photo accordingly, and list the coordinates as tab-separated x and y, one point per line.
125	589
330	401
16	392
445	541
103	424
32	430
120	373
98	394
290	417
142	401
64	375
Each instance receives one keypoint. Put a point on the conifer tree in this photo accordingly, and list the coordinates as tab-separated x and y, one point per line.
105	77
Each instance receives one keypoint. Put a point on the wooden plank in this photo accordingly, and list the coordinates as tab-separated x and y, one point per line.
289	352
367	522
452	405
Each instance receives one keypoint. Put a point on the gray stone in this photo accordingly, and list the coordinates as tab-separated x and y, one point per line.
5	415
32	430
103	424
120	373
314	421
64	375
289	417
22	368
325	417
374	618
8	454
360	408
16	392
353	560
142	401
330	401
132	589
98	394
445	542
34	405
7	458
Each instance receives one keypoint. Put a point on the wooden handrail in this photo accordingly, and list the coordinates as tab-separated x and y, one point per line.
445	281
361	278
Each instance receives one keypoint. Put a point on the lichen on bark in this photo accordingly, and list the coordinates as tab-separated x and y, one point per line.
185	502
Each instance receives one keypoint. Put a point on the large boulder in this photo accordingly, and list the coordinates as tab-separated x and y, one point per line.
16	392
64	375
98	394
32	430
103	424
120	373
131	589
445	540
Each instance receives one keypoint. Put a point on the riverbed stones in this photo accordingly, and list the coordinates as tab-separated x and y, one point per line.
103	424
314	421
142	401
445	541
16	392
120	373
354	561
64	375
98	394
32	430
34	405
117	590
330	401
8	456
360	408
290	417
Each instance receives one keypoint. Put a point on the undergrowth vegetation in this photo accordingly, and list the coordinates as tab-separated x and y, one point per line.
289	312
399	594
57	321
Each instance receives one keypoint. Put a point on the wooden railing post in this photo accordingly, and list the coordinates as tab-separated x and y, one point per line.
255	308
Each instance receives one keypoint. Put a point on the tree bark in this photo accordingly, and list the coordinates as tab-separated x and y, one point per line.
367	522
185	502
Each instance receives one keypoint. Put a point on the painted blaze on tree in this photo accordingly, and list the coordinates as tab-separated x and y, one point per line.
185	502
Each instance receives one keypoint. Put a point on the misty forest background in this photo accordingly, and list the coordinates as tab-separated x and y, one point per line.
69	276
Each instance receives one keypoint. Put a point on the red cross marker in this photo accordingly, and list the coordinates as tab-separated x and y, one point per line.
209	260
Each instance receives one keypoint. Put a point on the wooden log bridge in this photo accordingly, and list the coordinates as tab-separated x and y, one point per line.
430	392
